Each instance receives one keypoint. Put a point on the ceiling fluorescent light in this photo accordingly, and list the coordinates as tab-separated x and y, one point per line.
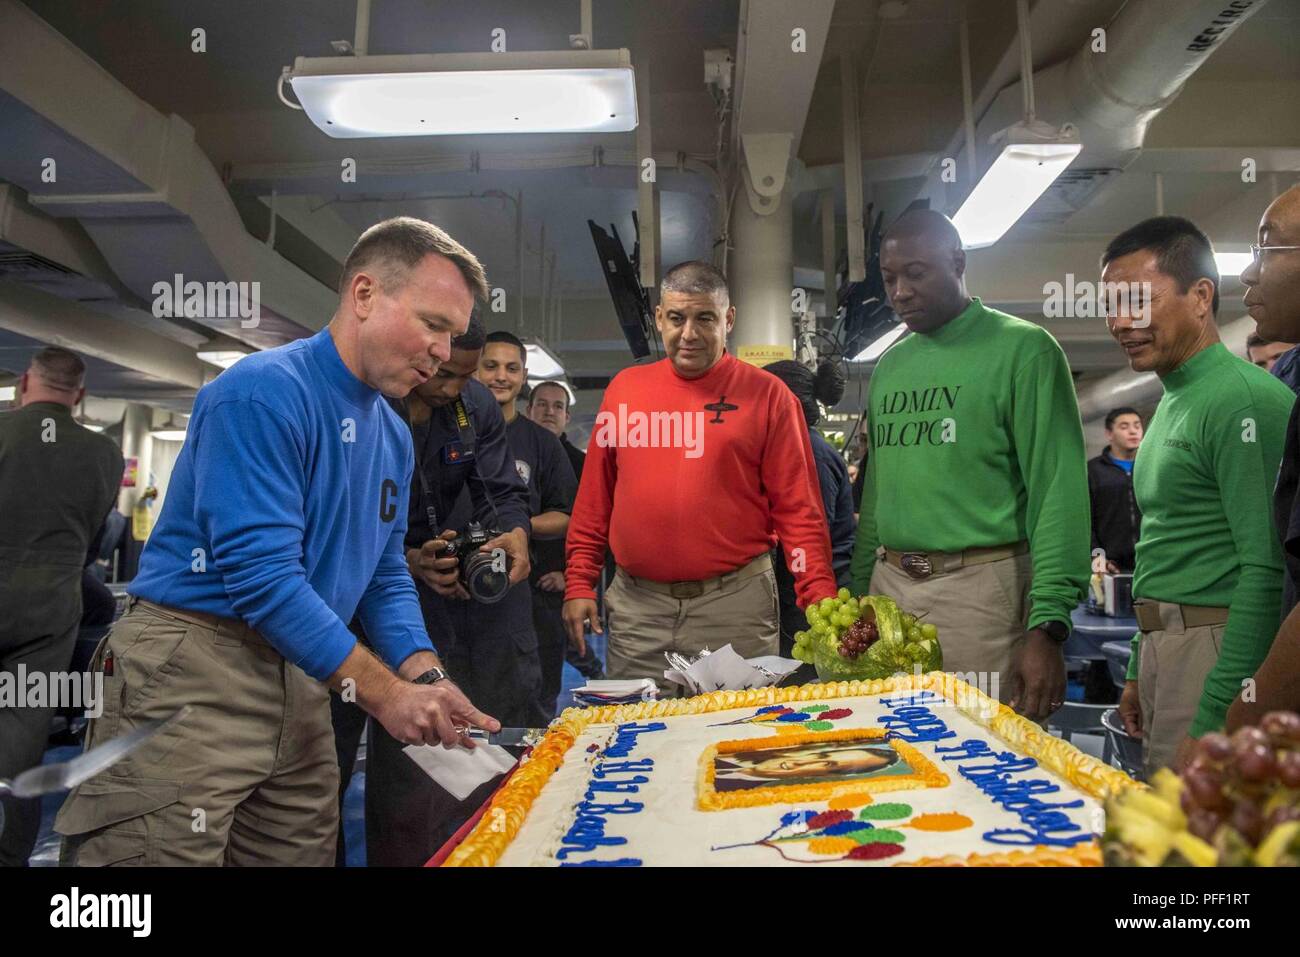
1032	157
542	363
876	349
1231	265
444	94
222	358
223	351
7	393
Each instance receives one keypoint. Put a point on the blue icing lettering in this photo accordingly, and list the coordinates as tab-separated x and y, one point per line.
621	862
625	738
1046	821
587	833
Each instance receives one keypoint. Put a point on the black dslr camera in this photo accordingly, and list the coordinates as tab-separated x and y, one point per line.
485	575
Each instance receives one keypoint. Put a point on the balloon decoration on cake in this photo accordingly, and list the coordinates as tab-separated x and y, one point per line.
784	719
851	828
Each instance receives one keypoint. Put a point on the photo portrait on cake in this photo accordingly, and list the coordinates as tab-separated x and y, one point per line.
805	764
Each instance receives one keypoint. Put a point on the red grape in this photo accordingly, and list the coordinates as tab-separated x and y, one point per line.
1203	823
1284	725
1288	768
1216	746
1248	821
1246	737
1206	787
1256	763
1280	815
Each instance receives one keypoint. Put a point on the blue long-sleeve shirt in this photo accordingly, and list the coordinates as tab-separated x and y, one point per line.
287	508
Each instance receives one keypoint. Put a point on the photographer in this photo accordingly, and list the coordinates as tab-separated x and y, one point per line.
464	473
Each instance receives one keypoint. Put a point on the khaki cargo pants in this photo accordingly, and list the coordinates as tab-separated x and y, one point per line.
739	609
249	777
1173	663
981	612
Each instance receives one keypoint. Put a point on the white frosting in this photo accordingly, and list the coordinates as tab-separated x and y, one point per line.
672	830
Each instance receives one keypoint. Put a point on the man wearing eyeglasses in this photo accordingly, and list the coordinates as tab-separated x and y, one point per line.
1208	578
1272	283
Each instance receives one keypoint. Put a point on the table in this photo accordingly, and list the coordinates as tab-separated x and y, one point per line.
1091	631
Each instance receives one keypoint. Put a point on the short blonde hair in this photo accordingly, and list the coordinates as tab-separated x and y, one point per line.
395	246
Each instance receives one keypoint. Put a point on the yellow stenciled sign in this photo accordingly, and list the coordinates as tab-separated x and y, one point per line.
762	355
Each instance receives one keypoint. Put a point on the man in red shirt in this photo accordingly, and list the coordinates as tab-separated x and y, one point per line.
696	466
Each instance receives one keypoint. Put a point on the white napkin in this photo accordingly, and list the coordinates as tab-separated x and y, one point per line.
461	770
724	670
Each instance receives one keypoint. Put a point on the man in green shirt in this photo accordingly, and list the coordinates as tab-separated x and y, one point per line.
975	513
1208	582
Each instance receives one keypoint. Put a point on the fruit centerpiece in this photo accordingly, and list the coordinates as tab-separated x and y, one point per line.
1237	804
867	637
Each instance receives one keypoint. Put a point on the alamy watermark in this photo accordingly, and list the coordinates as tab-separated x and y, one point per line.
650	430
1083	299
53	689
208	300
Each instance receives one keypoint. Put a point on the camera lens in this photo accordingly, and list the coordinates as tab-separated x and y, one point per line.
485	583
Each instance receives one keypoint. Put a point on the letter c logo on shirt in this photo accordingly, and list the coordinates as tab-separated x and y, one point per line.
387	505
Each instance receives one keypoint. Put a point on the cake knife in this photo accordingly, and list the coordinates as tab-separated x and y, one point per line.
507	737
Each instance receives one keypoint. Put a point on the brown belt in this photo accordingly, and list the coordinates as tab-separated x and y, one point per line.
921	565
683	590
1155	615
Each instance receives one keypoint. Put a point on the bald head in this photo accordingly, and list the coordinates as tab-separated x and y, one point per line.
924	268
927	225
1273	280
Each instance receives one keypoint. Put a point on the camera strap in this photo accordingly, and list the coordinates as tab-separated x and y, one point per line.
468	441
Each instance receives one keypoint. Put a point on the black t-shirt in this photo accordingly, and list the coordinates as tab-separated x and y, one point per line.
1286	512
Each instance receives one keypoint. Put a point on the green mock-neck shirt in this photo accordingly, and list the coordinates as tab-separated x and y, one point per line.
976	442
1204	479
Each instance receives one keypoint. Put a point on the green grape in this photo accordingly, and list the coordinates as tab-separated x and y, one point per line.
843	594
826	606
800	636
908	621
813	615
929	631
820	628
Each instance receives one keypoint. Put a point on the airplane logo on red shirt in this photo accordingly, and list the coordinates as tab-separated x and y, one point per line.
719	407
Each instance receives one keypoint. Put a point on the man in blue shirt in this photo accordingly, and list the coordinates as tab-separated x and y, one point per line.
285	516
464	472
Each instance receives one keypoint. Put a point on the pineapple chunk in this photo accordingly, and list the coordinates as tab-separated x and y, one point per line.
1156	807
1148	838
1197	852
1168	785
1276	842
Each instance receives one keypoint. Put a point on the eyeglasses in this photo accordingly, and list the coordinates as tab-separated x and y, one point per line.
1256	250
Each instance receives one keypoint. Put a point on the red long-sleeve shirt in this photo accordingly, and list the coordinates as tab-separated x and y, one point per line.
688	479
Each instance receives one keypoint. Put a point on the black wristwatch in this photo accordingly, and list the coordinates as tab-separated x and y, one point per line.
1058	631
432	676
